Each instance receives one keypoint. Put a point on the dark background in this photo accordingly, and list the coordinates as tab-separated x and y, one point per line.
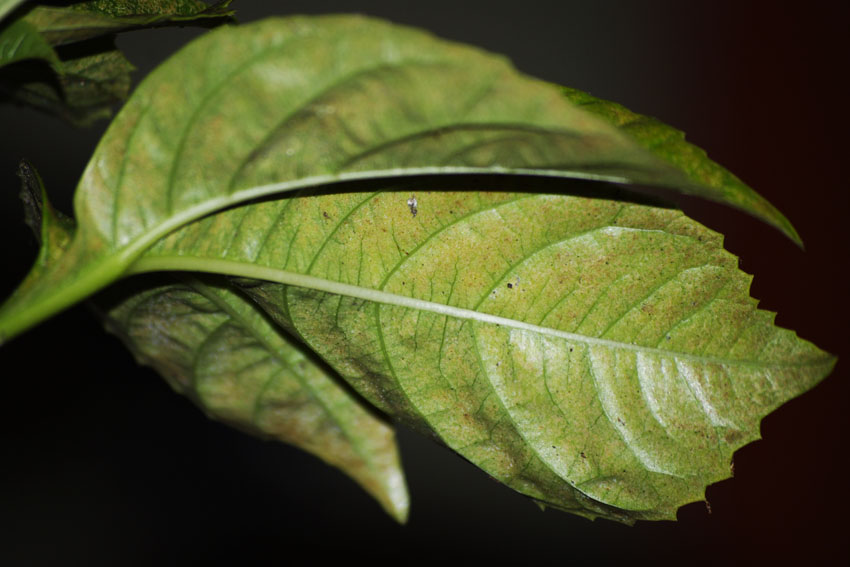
102	464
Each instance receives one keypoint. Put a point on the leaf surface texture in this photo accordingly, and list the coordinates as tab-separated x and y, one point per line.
602	357
215	347
599	355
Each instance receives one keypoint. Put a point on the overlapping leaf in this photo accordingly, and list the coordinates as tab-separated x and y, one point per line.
598	355
20	41
84	82
670	145
86	90
85	20
263	109
602	357
214	346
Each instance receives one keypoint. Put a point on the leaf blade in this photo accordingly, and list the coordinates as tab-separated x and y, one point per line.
670	145
87	20
6	6
214	347
20	41
620	392
266	105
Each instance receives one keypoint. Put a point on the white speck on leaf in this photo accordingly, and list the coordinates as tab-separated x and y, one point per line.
412	203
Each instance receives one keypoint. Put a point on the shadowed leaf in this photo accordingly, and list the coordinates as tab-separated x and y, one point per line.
85	20
85	92
215	347
20	41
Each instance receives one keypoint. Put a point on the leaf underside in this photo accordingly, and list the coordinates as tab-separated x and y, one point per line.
599	355
602	357
215	347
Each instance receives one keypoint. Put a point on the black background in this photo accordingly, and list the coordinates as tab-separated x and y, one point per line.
102	464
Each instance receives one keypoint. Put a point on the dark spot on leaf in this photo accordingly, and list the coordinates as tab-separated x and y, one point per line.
325	214
733	437
583	456
510	286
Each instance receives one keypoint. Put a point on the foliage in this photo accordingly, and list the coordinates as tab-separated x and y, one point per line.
86	74
369	202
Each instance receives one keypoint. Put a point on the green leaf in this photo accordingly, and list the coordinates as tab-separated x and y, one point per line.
669	144
215	347
20	41
6	7
52	229
90	75
599	355
284	104
602	357
86	90
85	20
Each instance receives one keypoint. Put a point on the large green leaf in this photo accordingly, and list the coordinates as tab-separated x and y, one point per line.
602	357
259	110
214	346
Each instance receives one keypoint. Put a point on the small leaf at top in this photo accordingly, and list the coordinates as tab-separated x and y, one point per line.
85	20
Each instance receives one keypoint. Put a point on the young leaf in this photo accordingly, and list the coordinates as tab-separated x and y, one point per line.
284	104
215	347
602	357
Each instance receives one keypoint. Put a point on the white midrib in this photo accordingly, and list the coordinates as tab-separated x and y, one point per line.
253	271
